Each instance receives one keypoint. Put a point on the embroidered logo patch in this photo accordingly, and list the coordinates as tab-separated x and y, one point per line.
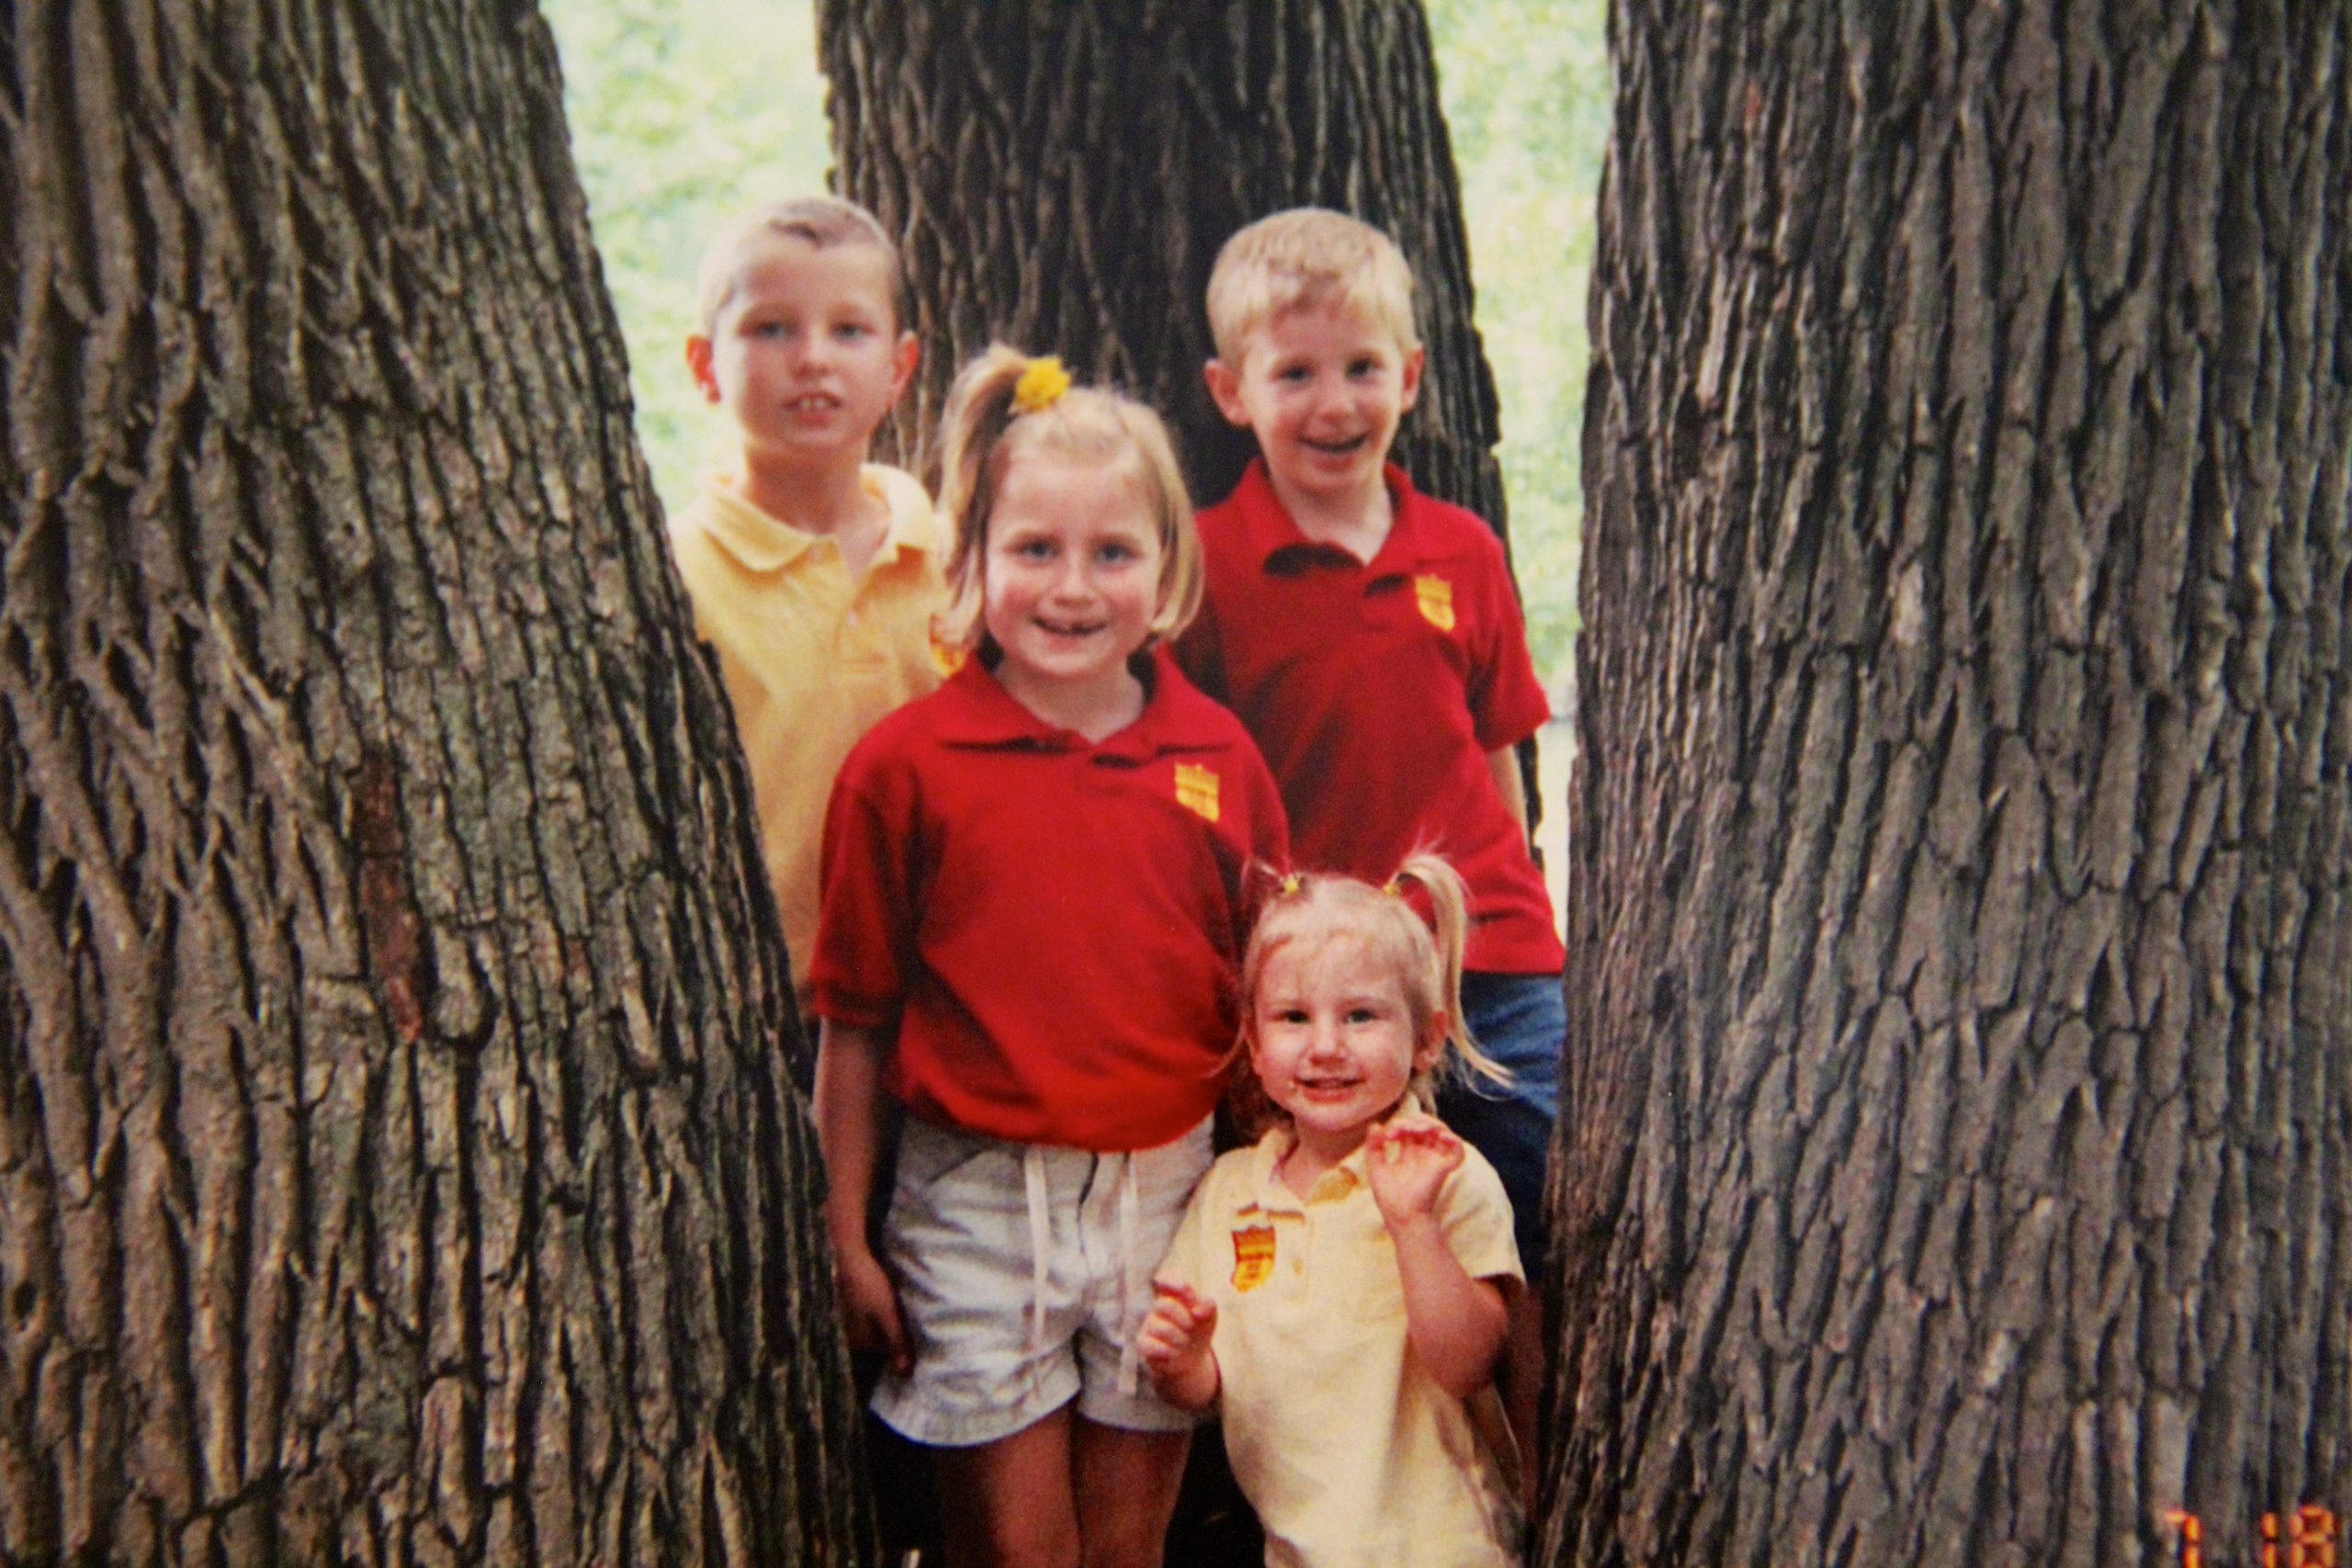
1196	787
1435	596
1254	1256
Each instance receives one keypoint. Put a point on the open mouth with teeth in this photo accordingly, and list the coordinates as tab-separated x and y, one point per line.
815	402
1072	630
1347	448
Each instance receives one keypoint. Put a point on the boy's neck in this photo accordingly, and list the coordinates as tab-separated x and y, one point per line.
829	500
1358	523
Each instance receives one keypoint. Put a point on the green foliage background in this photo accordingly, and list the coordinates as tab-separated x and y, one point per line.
684	111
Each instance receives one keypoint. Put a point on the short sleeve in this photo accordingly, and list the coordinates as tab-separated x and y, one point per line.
1478	1220
866	908
1507	699
1183	1265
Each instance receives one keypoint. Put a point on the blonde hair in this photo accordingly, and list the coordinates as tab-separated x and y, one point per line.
982	432
821	222
1308	910
1307	257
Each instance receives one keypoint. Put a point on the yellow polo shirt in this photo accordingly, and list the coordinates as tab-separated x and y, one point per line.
811	659
1351	1454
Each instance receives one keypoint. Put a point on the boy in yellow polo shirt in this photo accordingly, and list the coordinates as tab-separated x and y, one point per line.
814	573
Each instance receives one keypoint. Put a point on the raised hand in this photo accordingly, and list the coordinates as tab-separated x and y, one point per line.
1407	1161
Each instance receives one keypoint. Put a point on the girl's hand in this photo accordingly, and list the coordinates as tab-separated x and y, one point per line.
870	1308
1407	1161
1174	1343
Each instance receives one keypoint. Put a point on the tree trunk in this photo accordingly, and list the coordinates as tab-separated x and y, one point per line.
1957	1169
395	1161
1062	176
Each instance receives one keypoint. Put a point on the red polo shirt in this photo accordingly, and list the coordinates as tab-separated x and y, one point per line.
1377	692
1056	927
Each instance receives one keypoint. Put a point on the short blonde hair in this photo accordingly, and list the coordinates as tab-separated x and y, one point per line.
1308	911
1307	257
982	433
820	221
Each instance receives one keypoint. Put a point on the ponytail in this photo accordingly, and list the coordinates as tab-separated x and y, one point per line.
1449	930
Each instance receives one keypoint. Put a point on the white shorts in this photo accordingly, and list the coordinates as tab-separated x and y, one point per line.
1023	1270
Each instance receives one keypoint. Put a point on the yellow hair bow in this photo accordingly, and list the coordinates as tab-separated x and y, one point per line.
1041	386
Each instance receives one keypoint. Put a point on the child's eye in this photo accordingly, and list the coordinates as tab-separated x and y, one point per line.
1363	368
1364	1015
853	330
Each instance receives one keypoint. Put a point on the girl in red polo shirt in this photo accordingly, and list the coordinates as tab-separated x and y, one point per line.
1032	913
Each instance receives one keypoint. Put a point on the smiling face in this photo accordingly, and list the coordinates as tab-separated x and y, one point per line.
1331	1039
1323	386
805	352
1071	576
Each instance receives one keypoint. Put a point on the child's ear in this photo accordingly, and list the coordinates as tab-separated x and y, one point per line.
903	360
1431	1050
698	352
1225	390
1409	384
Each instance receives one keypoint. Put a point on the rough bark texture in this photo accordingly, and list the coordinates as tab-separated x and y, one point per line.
395	1161
1062	176
1961	964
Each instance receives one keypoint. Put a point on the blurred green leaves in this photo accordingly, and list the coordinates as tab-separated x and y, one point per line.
684	112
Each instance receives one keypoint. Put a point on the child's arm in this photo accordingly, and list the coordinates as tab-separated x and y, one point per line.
1454	1323
849	1132
1511	783
1174	1343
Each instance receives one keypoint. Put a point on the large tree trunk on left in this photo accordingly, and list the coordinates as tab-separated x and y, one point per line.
395	1160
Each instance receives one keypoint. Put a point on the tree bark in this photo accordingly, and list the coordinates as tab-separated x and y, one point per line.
1060	177
1956	1169
396	1165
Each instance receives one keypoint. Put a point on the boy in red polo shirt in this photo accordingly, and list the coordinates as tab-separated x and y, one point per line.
1033	918
1370	639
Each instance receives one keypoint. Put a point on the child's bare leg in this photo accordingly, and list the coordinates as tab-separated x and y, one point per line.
1127	1484
1007	1503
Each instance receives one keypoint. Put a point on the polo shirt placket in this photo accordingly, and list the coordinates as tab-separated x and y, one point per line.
1377	691
1053	926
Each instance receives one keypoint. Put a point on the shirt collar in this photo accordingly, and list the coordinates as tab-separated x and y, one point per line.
1266	1158
974	710
762	543
1269	529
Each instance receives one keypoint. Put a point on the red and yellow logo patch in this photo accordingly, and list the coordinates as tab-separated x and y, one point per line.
1197	788
1435	596
1254	1256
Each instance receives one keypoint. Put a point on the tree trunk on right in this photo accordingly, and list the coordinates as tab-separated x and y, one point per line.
1956	1169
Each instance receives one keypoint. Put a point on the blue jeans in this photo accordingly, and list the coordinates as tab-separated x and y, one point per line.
1520	1021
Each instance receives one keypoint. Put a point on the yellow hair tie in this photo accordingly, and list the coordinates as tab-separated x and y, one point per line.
1041	386
1290	885
1394	885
